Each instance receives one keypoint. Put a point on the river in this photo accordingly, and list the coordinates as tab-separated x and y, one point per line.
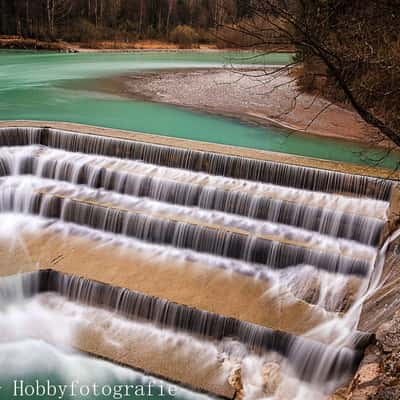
50	86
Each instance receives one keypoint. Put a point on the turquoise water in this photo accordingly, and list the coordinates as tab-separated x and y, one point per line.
65	376
45	86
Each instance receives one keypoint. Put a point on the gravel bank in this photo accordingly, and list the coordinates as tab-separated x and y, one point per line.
244	95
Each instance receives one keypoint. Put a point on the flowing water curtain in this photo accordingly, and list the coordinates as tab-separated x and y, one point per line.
170	221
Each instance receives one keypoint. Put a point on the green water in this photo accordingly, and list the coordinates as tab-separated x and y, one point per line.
31	369
45	86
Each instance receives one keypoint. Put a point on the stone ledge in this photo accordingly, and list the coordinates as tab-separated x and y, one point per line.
211	147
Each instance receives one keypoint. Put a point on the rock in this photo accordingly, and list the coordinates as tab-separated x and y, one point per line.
391	364
340	394
366	381
388	335
272	378
364	384
235	380
387	393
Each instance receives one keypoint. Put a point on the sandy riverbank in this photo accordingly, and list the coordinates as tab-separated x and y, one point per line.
244	95
110	46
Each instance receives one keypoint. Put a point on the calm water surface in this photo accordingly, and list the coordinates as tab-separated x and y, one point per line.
46	86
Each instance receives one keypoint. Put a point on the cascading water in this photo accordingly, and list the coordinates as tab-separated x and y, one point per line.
306	237
275	245
339	216
211	163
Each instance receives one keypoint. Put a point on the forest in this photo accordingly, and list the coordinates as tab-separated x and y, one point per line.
85	20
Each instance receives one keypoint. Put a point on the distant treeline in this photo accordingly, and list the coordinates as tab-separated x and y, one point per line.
86	20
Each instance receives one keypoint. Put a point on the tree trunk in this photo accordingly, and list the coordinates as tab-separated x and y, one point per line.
17	19
171	8
159	23
95	13
141	16
28	18
167	22
101	12
53	12
4	25
48	11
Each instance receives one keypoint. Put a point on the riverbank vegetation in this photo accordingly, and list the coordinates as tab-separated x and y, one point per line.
347	52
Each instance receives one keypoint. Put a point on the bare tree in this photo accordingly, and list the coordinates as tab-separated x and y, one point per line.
56	11
340	37
141	15
171	7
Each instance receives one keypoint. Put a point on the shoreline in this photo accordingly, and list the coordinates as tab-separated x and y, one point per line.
115	46
113	87
212	91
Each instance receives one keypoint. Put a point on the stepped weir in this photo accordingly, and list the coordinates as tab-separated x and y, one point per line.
217	261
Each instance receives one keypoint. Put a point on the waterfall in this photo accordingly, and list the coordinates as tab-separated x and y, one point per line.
202	235
308	236
16	288
201	323
198	190
211	163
